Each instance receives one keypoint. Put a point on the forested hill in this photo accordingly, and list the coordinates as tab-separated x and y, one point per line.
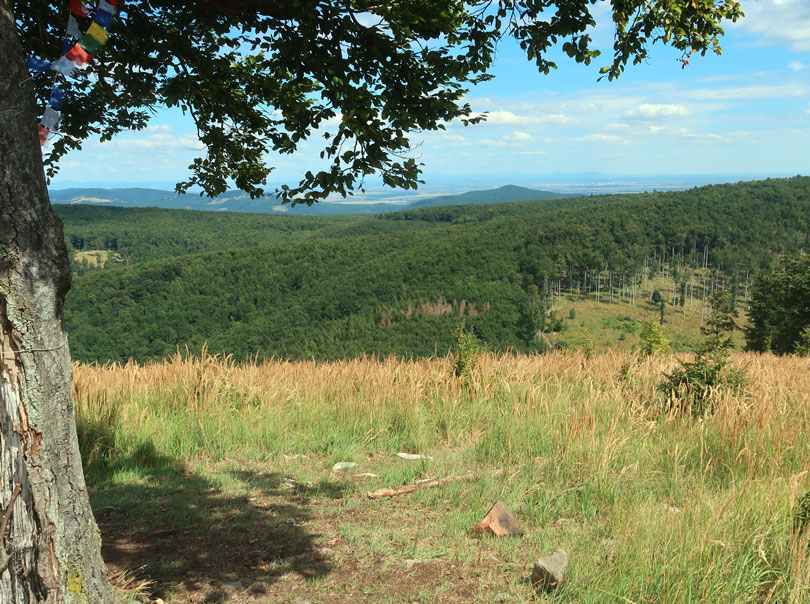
237	201
404	292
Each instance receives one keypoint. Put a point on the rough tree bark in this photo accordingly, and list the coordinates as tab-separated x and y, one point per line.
53	538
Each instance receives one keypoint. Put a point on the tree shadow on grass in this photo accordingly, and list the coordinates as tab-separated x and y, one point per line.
212	537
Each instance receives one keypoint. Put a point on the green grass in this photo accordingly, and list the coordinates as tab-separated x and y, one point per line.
192	463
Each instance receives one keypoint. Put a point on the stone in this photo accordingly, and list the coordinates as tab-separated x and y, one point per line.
670	510
409	564
549	572
367	475
413	456
303	602
503	597
343	465
499	522
257	588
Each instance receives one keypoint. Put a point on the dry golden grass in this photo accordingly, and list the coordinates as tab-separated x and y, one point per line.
597	422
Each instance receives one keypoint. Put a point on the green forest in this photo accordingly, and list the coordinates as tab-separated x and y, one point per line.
401	283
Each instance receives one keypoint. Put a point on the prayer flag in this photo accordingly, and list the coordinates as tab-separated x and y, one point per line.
57	97
79	9
43	134
89	43
73	28
99	33
107	7
37	65
103	18
78	55
50	118
64	65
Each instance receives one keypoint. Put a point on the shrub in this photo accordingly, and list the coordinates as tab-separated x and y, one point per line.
803	343
653	339
694	384
572	314
467	345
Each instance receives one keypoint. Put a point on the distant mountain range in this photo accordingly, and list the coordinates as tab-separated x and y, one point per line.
237	201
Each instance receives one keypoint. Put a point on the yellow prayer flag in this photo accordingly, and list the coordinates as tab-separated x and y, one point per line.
99	33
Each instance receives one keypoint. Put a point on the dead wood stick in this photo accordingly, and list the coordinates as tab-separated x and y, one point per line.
427	484
4	557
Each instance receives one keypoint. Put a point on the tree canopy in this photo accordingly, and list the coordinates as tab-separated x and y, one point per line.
259	77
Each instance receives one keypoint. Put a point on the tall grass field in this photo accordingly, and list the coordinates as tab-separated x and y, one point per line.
212	479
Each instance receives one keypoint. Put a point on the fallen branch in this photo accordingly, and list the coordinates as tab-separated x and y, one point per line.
427	484
4	557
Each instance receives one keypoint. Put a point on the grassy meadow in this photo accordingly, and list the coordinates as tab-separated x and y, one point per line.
212	481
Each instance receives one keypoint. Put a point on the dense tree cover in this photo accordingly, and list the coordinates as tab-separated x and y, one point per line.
402	292
779	310
142	234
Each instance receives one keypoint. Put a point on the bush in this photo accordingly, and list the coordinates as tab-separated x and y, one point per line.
572	314
693	386
653	340
468	345
803	343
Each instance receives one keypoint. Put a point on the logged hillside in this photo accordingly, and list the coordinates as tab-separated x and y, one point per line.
334	296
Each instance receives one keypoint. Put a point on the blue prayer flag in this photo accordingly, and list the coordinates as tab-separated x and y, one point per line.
103	18
57	97
37	65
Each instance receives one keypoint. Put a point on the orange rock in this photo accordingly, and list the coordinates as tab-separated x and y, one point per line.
498	522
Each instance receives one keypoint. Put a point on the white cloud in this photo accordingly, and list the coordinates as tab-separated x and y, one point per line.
778	21
648	111
520	136
739	93
617	126
507	118
453	139
603	138
807	111
797	65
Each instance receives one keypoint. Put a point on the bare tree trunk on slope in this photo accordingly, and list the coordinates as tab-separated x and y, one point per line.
53	540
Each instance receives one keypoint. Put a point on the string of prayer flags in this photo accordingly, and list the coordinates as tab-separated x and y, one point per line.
74	54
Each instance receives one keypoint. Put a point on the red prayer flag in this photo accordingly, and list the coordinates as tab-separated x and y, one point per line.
78	55
79	9
43	134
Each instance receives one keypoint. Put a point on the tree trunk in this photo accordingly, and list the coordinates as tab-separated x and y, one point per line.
53	540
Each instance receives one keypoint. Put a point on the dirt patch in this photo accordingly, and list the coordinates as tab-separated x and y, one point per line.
261	541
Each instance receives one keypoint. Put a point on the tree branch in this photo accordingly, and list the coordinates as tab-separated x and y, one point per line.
279	9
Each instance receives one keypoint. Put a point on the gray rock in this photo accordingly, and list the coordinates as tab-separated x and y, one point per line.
409	564
367	475
343	465
303	602
549	572
503	597
257	588
413	456
670	510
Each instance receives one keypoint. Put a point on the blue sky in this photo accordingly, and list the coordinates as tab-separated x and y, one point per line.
746	112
